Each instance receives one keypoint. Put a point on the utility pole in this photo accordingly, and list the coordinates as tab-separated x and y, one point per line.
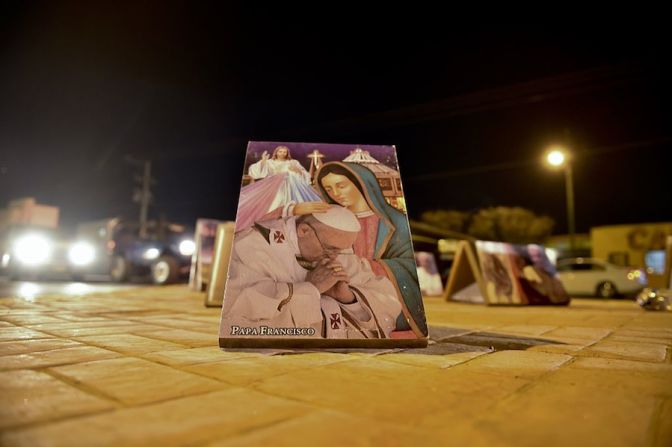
569	192
569	188
143	193
145	196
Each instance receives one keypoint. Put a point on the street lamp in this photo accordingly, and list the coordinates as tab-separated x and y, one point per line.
558	157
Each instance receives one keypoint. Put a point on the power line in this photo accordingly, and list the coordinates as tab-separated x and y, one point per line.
625	146
514	95
534	91
473	170
526	163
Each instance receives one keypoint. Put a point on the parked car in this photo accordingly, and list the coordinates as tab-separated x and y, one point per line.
164	255
594	277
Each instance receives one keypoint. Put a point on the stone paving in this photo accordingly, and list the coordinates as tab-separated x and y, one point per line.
142	367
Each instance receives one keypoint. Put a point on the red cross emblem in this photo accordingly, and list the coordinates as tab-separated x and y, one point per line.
335	321
278	237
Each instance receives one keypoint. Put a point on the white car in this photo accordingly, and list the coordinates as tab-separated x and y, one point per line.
594	277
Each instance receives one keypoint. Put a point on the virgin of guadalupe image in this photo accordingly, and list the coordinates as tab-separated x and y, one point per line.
279	181
497	281
384	239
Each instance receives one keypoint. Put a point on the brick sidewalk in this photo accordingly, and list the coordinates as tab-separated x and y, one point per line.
142	366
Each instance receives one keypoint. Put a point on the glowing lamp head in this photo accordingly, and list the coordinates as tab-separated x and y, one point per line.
556	158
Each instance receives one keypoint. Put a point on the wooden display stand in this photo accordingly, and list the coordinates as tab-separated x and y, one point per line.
220	264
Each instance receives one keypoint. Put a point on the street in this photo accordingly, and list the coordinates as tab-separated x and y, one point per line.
30	290
141	365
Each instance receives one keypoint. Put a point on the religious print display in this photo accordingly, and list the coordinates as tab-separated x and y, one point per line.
504	274
668	262
322	253
465	283
519	274
428	274
201	260
220	264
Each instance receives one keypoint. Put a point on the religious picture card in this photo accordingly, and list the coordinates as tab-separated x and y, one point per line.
201	260
519	274
322	253
428	274
498	273
220	264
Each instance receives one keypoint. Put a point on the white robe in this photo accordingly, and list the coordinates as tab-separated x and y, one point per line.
296	184
263	169
262	272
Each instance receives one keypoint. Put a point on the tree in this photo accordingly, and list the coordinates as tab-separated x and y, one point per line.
504	224
449	219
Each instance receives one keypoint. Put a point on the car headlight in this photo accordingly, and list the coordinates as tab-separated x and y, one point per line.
81	254
33	249
151	253
187	247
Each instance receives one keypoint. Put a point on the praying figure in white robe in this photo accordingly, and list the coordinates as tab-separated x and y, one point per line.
301	272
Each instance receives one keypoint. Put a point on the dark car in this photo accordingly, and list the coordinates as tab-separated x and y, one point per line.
164	255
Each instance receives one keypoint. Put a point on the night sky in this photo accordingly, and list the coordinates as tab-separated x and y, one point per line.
469	106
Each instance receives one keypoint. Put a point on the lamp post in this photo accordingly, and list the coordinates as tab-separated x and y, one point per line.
560	158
